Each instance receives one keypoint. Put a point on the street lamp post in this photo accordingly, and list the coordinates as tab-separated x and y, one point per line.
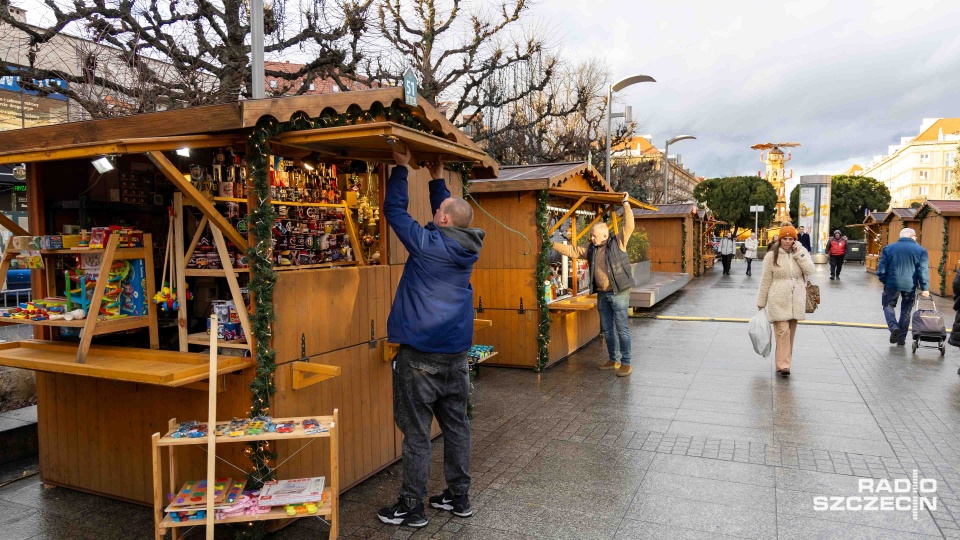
666	161
618	86
257	76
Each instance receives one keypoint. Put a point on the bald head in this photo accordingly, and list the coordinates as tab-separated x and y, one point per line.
454	212
599	233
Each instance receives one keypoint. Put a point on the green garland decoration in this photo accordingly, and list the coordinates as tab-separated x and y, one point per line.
263	278
542	274
683	246
942	267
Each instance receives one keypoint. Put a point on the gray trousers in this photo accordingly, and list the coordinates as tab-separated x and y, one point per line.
428	385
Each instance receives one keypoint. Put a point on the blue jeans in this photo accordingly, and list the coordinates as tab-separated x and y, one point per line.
890	297
615	324
428	386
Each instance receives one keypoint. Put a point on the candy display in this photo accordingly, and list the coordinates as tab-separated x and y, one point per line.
479	352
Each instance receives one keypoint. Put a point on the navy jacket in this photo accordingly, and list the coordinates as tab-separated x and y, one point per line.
804	239
433	309
904	266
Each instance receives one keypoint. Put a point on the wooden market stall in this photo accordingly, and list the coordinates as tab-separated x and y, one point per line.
874	234
509	278
895	221
305	175
939	233
671	232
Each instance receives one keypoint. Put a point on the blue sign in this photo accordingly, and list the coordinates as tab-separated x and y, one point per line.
410	88
11	83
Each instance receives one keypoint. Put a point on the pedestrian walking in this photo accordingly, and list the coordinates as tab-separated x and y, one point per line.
750	254
611	279
432	320
902	269
727	248
837	249
786	269
804	238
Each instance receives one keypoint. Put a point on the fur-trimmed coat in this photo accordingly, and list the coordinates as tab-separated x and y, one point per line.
782	289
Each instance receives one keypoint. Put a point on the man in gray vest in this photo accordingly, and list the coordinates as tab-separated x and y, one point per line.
611	279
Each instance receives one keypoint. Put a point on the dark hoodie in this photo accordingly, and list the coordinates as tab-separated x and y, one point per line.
433	309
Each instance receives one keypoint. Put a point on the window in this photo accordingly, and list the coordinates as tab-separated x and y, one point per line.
273	84
948	176
924	175
946	191
924	158
923	190
950	159
313	87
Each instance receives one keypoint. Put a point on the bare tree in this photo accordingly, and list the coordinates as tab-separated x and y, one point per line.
470	62
175	53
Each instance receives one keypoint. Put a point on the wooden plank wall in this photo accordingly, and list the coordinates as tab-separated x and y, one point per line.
364	394
95	433
342	304
570	330
666	240
419	207
933	241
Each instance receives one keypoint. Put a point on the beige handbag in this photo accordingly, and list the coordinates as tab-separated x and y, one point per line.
813	297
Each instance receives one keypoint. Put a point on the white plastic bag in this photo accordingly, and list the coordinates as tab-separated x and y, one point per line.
761	333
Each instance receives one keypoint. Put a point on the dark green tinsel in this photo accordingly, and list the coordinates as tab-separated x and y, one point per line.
942	267
543	274
683	246
698	247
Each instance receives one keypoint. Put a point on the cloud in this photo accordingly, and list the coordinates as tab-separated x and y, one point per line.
845	79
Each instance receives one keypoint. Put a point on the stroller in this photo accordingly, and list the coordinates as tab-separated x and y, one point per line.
927	325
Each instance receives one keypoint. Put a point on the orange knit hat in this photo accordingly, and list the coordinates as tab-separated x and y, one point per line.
787	231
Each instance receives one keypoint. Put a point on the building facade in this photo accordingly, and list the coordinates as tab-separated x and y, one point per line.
921	167
680	180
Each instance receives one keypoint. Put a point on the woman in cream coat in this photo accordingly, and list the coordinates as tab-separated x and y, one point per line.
786	268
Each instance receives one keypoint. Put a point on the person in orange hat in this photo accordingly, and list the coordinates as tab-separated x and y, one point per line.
786	269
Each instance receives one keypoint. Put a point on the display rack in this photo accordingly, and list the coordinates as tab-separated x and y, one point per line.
162	523
92	325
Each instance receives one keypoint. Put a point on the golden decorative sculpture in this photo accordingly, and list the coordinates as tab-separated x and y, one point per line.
775	159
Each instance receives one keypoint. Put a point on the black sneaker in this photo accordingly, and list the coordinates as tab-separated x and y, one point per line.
404	514
458	505
895	335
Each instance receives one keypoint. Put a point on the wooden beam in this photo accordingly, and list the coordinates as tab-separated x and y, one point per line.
496	186
206	207
565	216
590	225
120	147
354	238
180	269
93	313
231	283
306	374
11	226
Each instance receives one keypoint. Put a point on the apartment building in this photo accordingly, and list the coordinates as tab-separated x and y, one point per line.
920	167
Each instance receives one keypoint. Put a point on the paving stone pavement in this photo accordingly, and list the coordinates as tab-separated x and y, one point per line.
703	441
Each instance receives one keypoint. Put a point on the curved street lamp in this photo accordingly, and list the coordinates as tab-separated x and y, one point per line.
666	160
616	87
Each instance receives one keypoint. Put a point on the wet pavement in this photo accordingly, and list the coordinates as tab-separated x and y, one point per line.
703	441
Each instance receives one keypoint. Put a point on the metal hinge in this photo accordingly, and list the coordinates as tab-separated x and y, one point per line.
521	310
373	335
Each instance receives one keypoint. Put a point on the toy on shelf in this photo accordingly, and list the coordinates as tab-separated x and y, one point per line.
37	310
195	492
308	508
286	427
166	298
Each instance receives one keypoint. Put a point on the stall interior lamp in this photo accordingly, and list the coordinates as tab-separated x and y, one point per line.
103	165
310	162
183	152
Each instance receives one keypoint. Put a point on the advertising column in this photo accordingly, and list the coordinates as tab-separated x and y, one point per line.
814	213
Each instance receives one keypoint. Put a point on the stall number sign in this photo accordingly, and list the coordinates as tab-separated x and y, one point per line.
410	88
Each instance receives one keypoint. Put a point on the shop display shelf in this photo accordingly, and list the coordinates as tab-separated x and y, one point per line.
203	338
277	512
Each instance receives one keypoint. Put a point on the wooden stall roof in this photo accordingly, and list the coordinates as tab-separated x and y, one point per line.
667	210
533	177
876	216
903	214
225	118
942	207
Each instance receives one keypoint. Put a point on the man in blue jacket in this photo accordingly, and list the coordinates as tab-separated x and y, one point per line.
432	320
902	269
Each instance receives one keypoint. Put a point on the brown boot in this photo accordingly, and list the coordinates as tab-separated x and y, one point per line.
623	371
609	365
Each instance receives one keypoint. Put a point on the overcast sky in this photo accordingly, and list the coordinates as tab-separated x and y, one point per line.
843	78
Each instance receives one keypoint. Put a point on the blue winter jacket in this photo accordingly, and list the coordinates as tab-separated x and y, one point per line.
433	309
903	265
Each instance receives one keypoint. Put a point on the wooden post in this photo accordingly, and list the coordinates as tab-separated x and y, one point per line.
573	235
335	476
151	290
172	458
232	283
212	427
157	487
179	268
